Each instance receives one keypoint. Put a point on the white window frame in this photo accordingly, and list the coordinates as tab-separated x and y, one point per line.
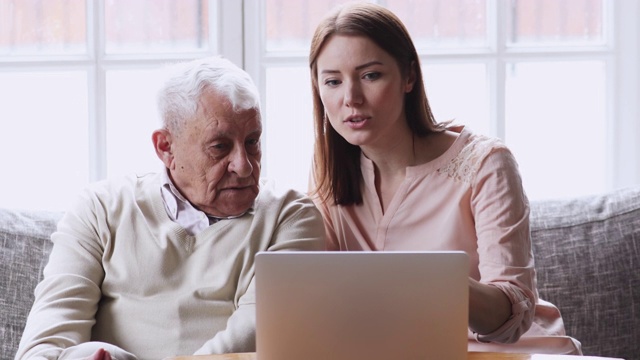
626	95
236	33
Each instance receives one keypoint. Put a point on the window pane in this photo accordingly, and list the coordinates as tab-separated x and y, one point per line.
432	23
553	22
132	116
443	23
290	24
557	128
459	92
288	135
44	133
36	27
142	26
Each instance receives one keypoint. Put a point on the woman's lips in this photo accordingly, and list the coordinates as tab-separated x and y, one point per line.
356	121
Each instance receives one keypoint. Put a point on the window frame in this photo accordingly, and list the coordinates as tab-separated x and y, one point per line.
236	33
225	19
625	95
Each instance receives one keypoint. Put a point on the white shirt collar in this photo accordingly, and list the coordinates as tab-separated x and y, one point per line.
182	211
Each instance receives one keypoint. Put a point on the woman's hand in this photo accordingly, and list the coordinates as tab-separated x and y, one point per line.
489	307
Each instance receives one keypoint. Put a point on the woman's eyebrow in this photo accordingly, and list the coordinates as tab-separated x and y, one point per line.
370	63
359	67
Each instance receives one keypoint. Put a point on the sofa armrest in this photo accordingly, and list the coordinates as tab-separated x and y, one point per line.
24	251
587	253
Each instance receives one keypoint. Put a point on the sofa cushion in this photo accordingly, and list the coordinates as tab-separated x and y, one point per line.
587	253
24	250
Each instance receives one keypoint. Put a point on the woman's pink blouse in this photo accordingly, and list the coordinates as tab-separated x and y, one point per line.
471	199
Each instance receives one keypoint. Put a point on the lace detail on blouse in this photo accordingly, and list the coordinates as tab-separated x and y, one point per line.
464	166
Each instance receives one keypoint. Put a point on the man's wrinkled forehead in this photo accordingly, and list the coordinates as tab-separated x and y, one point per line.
244	122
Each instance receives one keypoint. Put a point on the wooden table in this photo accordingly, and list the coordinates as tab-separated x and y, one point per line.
472	356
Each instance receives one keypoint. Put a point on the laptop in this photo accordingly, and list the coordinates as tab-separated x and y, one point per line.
362	305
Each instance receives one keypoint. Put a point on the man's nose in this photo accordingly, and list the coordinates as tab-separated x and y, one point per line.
239	163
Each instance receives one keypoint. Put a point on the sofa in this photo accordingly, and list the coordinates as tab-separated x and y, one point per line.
587	253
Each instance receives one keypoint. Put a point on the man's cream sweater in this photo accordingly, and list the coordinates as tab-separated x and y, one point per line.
122	273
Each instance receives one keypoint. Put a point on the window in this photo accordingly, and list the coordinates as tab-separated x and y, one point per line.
557	80
78	90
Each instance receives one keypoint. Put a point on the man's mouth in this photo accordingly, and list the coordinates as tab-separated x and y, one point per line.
236	188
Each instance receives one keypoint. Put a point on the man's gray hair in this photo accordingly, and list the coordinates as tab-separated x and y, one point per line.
179	95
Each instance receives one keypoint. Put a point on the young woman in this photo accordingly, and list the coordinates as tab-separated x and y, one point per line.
387	176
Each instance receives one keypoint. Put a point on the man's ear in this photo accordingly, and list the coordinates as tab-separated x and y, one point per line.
162	144
411	78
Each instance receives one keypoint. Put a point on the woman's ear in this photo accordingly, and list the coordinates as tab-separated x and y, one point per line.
411	78
162	141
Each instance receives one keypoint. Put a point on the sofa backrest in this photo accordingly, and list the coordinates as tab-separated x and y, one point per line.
24	251
587	253
587	256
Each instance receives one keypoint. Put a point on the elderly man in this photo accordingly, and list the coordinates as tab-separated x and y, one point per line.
150	266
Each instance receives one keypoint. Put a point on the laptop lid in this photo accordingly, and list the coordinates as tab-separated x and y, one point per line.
361	305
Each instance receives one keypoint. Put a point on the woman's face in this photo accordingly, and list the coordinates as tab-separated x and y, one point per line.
362	90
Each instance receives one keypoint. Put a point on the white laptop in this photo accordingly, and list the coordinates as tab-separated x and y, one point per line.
362	305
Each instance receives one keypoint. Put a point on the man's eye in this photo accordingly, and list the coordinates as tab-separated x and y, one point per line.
219	147
253	146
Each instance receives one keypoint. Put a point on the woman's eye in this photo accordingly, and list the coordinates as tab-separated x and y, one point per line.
372	75
331	82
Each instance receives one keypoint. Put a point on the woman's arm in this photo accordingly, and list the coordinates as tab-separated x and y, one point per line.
502	301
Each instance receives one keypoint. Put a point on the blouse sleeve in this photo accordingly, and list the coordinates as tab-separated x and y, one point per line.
501	211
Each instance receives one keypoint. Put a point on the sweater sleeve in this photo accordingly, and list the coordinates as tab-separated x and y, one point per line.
59	324
501	212
239	335
298	227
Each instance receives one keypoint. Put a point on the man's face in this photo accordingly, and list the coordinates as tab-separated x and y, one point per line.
215	158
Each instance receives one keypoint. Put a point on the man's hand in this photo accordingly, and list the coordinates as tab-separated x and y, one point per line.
101	354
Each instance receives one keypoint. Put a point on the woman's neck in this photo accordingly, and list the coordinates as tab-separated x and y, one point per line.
395	155
408	150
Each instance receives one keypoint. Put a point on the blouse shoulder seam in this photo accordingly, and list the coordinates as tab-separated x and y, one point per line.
465	165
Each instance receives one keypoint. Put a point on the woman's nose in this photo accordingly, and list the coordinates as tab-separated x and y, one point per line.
353	95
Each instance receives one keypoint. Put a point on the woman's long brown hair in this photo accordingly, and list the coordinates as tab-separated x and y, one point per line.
336	163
